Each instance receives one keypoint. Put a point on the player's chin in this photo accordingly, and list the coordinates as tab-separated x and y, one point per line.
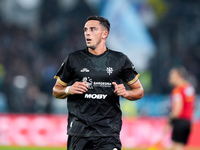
91	47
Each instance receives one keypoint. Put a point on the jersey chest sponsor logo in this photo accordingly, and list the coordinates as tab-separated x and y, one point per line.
92	84
102	84
96	96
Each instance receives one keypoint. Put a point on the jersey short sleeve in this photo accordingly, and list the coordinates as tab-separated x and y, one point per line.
176	95
65	73
129	74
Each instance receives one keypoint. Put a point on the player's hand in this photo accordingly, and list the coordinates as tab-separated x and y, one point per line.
78	88
120	90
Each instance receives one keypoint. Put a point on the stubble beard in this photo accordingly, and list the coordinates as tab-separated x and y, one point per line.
92	47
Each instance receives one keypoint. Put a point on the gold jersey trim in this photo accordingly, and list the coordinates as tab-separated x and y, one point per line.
60	81
132	81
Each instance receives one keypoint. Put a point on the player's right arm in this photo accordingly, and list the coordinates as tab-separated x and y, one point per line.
59	91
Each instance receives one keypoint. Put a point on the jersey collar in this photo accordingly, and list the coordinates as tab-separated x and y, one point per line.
105	53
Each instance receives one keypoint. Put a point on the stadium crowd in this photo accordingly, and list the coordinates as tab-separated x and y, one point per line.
29	58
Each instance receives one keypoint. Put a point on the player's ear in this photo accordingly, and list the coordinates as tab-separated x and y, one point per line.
105	34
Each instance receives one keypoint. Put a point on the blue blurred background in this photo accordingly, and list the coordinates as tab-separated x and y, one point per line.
36	36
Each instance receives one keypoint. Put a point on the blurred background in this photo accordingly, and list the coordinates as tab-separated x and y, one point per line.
37	35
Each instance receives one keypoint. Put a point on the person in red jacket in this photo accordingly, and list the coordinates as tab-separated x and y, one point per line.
182	107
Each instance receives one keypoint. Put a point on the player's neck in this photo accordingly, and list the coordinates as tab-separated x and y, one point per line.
180	82
98	50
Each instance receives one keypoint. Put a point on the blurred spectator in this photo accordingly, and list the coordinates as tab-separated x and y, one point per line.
182	107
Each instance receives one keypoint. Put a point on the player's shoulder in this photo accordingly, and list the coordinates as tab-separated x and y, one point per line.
188	89
176	90
77	52
73	55
117	53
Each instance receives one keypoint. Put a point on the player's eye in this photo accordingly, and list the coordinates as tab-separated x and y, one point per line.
93	29
84	29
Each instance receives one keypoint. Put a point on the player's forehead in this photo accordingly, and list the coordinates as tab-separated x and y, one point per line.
92	23
174	72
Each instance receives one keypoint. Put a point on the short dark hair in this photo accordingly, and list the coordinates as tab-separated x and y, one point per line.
181	71
103	21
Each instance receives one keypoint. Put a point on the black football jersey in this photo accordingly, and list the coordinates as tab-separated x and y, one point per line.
96	112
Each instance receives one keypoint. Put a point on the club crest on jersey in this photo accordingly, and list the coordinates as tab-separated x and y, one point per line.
109	70
85	70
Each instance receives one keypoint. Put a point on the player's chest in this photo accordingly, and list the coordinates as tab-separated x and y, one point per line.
97	68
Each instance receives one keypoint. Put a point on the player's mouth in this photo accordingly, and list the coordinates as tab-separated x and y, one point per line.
88	40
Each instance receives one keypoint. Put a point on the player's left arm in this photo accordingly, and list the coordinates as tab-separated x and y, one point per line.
136	91
177	105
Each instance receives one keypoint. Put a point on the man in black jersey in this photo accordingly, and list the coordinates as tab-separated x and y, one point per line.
91	79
